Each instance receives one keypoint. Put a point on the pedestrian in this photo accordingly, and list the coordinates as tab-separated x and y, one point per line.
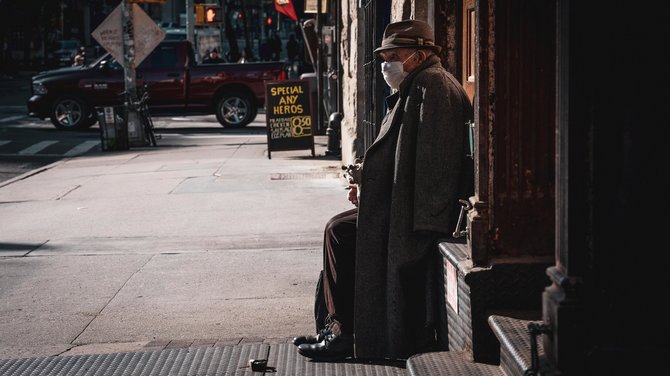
265	50
379	278
276	47
78	60
292	48
243	57
213	57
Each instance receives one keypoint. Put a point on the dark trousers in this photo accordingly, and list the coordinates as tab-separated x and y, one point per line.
339	255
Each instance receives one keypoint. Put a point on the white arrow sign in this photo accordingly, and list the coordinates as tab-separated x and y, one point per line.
146	34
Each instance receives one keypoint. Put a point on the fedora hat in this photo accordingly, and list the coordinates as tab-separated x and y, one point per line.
408	33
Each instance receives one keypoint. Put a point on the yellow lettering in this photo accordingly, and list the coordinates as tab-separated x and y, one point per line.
274	91
288	109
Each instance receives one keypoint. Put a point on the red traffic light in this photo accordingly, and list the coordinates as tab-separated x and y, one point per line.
268	21
208	14
213	14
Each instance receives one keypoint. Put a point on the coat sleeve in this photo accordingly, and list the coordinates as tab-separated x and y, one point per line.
439	153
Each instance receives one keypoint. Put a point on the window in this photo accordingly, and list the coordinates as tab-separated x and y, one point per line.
161	57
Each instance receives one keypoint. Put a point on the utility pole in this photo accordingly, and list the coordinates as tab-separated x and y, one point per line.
190	28
319	68
135	130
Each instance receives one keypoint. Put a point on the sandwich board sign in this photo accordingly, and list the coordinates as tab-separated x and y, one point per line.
288	115
146	34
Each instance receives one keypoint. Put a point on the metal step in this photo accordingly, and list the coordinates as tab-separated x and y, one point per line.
275	359
449	363
515	355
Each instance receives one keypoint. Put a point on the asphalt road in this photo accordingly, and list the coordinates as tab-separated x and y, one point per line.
13	95
27	143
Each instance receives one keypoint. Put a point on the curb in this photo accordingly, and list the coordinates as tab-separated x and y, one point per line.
30	173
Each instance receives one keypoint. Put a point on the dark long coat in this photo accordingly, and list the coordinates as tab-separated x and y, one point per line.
412	177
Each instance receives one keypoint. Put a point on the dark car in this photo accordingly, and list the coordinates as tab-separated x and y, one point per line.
234	92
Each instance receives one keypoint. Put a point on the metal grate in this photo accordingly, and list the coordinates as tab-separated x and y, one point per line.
449	363
287	362
194	361
304	175
282	360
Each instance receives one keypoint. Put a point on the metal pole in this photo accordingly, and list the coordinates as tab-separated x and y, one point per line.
190	28
135	131
319	81
222	51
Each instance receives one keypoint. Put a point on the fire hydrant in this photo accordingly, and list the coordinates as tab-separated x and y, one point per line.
333	133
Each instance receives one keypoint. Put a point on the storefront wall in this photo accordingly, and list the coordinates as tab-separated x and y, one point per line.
352	54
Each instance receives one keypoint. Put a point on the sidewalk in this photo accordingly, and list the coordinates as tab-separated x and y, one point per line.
280	360
176	260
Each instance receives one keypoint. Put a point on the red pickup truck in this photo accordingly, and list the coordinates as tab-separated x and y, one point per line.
177	84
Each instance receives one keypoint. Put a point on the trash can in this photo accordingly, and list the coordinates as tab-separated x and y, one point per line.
113	129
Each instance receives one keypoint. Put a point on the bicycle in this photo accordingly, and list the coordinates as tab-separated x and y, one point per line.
145	117
142	108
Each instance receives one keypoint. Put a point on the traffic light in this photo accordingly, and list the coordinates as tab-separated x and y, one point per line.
199	14
213	14
208	15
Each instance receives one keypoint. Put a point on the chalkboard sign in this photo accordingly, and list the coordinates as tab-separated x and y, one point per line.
288	114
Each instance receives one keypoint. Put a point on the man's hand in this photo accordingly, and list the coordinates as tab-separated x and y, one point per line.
354	194
352	172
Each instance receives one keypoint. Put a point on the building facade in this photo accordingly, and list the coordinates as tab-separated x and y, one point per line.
562	106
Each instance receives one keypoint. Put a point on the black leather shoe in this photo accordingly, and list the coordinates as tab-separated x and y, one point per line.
320	336
330	349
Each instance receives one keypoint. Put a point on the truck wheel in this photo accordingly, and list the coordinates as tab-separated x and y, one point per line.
70	113
235	110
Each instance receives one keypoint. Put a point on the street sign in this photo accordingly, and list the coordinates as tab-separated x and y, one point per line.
147	35
110	34
288	116
311	6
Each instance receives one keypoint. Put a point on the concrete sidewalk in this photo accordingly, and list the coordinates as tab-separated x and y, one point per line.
168	250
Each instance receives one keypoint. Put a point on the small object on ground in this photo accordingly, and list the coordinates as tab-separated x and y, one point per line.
258	365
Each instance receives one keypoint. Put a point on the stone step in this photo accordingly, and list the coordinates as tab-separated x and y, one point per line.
449	363
512	333
515	355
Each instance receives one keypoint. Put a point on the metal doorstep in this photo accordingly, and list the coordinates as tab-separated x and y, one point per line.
285	358
193	361
282	360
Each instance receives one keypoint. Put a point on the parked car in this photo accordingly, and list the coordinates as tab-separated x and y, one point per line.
231	91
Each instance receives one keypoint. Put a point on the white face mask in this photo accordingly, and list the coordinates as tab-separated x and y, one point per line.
394	73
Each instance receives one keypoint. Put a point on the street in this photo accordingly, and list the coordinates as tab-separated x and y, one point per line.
200	240
28	143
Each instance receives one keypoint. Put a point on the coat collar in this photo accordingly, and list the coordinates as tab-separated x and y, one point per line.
430	61
398	98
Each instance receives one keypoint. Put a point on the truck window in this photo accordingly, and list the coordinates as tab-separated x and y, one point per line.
161	57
